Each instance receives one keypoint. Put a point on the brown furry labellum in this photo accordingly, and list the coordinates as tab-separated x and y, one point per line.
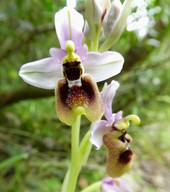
119	154
82	98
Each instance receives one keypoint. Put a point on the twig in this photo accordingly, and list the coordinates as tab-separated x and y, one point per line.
23	93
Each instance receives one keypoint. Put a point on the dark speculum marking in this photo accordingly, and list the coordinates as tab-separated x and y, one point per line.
63	92
76	95
114	128
126	156
122	137
72	70
88	88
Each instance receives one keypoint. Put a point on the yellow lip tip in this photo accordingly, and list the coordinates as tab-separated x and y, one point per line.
133	118
80	110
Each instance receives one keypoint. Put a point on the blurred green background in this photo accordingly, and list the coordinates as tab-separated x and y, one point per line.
35	146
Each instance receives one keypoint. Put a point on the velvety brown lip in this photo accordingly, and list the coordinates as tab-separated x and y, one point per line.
85	92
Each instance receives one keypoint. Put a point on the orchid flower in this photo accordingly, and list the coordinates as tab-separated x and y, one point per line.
112	133
115	185
68	67
46	72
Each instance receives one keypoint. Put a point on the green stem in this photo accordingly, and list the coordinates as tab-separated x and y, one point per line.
79	156
93	188
85	148
75	139
65	182
96	37
75	166
95	43
73	176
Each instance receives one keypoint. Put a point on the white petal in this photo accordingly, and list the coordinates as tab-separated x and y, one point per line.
108	95
115	185
71	3
82	52
103	65
42	73
57	55
118	115
69	24
99	129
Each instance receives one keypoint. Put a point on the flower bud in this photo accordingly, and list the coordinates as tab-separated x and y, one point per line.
119	154
95	11
115	23
111	16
